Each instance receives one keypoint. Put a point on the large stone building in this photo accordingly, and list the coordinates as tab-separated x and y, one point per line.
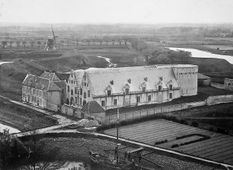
131	86
45	91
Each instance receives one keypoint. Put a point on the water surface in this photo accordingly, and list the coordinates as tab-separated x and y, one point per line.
204	54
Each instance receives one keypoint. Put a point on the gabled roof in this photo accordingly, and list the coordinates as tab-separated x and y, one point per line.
92	107
150	75
43	83
36	82
78	75
63	76
50	76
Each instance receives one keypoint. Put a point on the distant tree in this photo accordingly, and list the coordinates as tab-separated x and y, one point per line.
4	44
32	44
10	43
24	44
18	44
39	43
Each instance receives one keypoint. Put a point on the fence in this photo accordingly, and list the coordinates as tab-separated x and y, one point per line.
131	115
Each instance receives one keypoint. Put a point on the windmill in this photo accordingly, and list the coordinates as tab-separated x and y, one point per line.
51	41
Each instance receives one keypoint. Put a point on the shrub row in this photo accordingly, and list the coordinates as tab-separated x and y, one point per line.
189	142
160	142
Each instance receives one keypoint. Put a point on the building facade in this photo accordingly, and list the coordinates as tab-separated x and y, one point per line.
131	86
45	91
228	84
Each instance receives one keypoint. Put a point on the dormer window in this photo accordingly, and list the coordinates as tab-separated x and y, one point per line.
129	80
143	86
143	89
109	92
160	88
127	91
170	86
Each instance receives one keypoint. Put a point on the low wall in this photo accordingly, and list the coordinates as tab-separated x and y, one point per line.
53	107
131	115
71	111
212	100
217	85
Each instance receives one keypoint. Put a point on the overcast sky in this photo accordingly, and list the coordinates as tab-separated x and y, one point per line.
117	11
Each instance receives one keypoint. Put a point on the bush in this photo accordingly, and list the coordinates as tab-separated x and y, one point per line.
174	146
160	142
195	124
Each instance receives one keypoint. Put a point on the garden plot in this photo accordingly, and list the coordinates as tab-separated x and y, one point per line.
166	133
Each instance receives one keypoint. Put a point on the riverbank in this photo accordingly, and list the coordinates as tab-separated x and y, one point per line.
203	48
76	149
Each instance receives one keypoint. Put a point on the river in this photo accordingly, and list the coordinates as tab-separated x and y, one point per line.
108	60
11	129
204	54
5	62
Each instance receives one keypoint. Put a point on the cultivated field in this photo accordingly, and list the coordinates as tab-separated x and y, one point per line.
180	137
22	118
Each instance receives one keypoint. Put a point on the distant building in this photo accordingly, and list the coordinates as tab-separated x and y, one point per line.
203	80
45	91
228	84
131	86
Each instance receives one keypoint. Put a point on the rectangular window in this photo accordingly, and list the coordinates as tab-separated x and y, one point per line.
149	98
115	102
84	95
138	99
89	93
81	91
75	90
103	103
76	100
80	101
170	95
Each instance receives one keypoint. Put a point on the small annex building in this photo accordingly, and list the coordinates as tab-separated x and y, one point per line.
92	109
46	91
203	80
228	84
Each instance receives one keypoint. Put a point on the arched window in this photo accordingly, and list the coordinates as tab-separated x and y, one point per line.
67	101
68	88
71	91
84	102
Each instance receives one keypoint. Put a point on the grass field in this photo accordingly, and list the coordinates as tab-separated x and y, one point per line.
218	147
